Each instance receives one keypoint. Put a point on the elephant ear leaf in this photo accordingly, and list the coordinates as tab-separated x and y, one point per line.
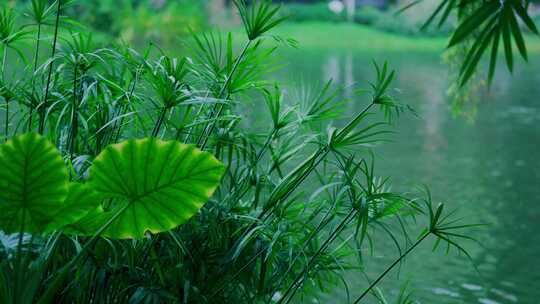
33	183
155	186
80	201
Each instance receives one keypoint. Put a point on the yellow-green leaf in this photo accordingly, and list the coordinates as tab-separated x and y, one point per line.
154	186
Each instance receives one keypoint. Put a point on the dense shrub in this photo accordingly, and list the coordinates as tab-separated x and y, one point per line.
138	21
389	21
368	15
165	24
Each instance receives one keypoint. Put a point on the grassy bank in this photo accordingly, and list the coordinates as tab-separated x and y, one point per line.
353	36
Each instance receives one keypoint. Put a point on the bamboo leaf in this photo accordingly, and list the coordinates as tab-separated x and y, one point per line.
433	15
475	54
522	13
494	53
473	22
518	37
507	39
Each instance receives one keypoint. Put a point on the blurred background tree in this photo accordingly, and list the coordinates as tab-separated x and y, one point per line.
163	21
138	21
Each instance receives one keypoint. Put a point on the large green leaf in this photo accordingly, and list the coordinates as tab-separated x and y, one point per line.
33	183
80	201
154	186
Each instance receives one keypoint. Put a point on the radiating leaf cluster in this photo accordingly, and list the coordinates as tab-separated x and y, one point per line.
259	17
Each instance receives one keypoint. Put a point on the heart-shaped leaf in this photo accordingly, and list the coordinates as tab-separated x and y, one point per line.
154	186
80	201
33	183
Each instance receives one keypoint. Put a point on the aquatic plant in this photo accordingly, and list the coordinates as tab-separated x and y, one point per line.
138	183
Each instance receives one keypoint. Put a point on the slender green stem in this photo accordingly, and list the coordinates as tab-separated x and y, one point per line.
128	99
42	109
348	128
316	159
218	108
36	58
51	290
116	130
6	127
266	144
239	272
159	122
295	285
74	116
242	183
384	273
312	163
4	60
323	223
18	269
181	127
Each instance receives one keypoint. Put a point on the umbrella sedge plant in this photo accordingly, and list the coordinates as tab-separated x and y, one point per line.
129	176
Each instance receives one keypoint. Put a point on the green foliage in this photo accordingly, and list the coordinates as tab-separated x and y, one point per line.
368	15
136	21
144	22
11	36
9	32
159	186
299	203
167	81
494	22
259	18
387	20
299	12
41	12
33	183
81	199
393	22
36	195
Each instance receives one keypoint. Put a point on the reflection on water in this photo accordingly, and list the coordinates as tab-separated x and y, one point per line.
489	169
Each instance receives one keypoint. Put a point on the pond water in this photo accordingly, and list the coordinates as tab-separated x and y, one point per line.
489	169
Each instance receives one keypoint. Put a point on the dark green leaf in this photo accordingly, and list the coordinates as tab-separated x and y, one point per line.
518	37
522	13
33	183
507	39
494	54
475	53
473	22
